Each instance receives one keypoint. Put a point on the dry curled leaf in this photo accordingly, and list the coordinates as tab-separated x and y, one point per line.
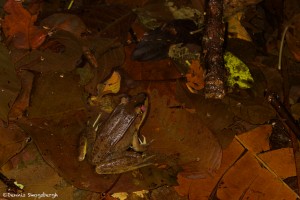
18	25
195	78
293	37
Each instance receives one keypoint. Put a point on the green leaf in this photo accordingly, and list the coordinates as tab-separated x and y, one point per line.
239	73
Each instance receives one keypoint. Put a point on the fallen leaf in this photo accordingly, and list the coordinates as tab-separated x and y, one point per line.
195	77
23	99
13	140
57	139
233	6
62	57
257	140
293	36
235	28
18	25
281	161
113	84
198	151
50	99
247	179
109	21
67	22
191	187
37	176
34	6
9	83
109	54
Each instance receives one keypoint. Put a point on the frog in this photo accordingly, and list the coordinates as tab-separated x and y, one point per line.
114	146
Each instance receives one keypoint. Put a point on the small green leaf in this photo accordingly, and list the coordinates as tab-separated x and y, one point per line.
239	73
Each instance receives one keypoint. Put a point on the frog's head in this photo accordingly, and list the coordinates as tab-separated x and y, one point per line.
138	103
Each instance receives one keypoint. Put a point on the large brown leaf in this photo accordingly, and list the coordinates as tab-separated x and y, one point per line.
181	134
58	138
109	21
18	25
9	83
13	140
293	37
59	54
55	94
67	22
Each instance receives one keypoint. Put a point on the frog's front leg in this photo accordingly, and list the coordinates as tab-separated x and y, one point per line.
139	145
123	162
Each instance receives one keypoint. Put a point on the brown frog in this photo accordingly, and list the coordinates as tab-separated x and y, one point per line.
114	146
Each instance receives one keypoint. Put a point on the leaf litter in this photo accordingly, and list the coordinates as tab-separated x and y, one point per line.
47	91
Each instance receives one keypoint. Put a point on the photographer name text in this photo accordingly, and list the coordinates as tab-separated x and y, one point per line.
33	195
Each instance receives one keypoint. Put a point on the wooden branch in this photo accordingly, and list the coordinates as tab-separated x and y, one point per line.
213	41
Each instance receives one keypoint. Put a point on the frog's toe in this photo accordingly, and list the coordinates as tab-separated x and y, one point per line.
144	141
139	145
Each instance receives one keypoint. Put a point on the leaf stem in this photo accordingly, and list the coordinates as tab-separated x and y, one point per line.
281	46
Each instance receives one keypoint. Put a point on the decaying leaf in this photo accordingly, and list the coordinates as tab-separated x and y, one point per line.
112	85
246	177
18	25
61	57
293	36
235	28
109	21
244	174
9	83
62	146
109	54
67	22
195	77
30	170
23	99
233	6
13	140
50	99
198	151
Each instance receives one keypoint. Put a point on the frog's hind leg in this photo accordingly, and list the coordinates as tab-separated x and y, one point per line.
125	162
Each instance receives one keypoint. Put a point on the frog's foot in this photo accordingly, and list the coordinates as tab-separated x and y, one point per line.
139	145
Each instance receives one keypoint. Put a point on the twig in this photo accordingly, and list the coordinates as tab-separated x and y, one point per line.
292	128
281	46
11	184
213	40
283	113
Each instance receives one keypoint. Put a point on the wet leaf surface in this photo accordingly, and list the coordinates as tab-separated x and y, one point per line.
13	140
23	99
109	21
36	176
49	99
67	22
60	150
208	147
59	58
109	54
26	35
198	151
9	83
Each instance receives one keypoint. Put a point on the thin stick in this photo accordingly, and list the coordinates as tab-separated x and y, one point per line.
281	46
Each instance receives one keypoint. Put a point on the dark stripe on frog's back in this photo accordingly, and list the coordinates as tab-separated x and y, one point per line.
111	132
